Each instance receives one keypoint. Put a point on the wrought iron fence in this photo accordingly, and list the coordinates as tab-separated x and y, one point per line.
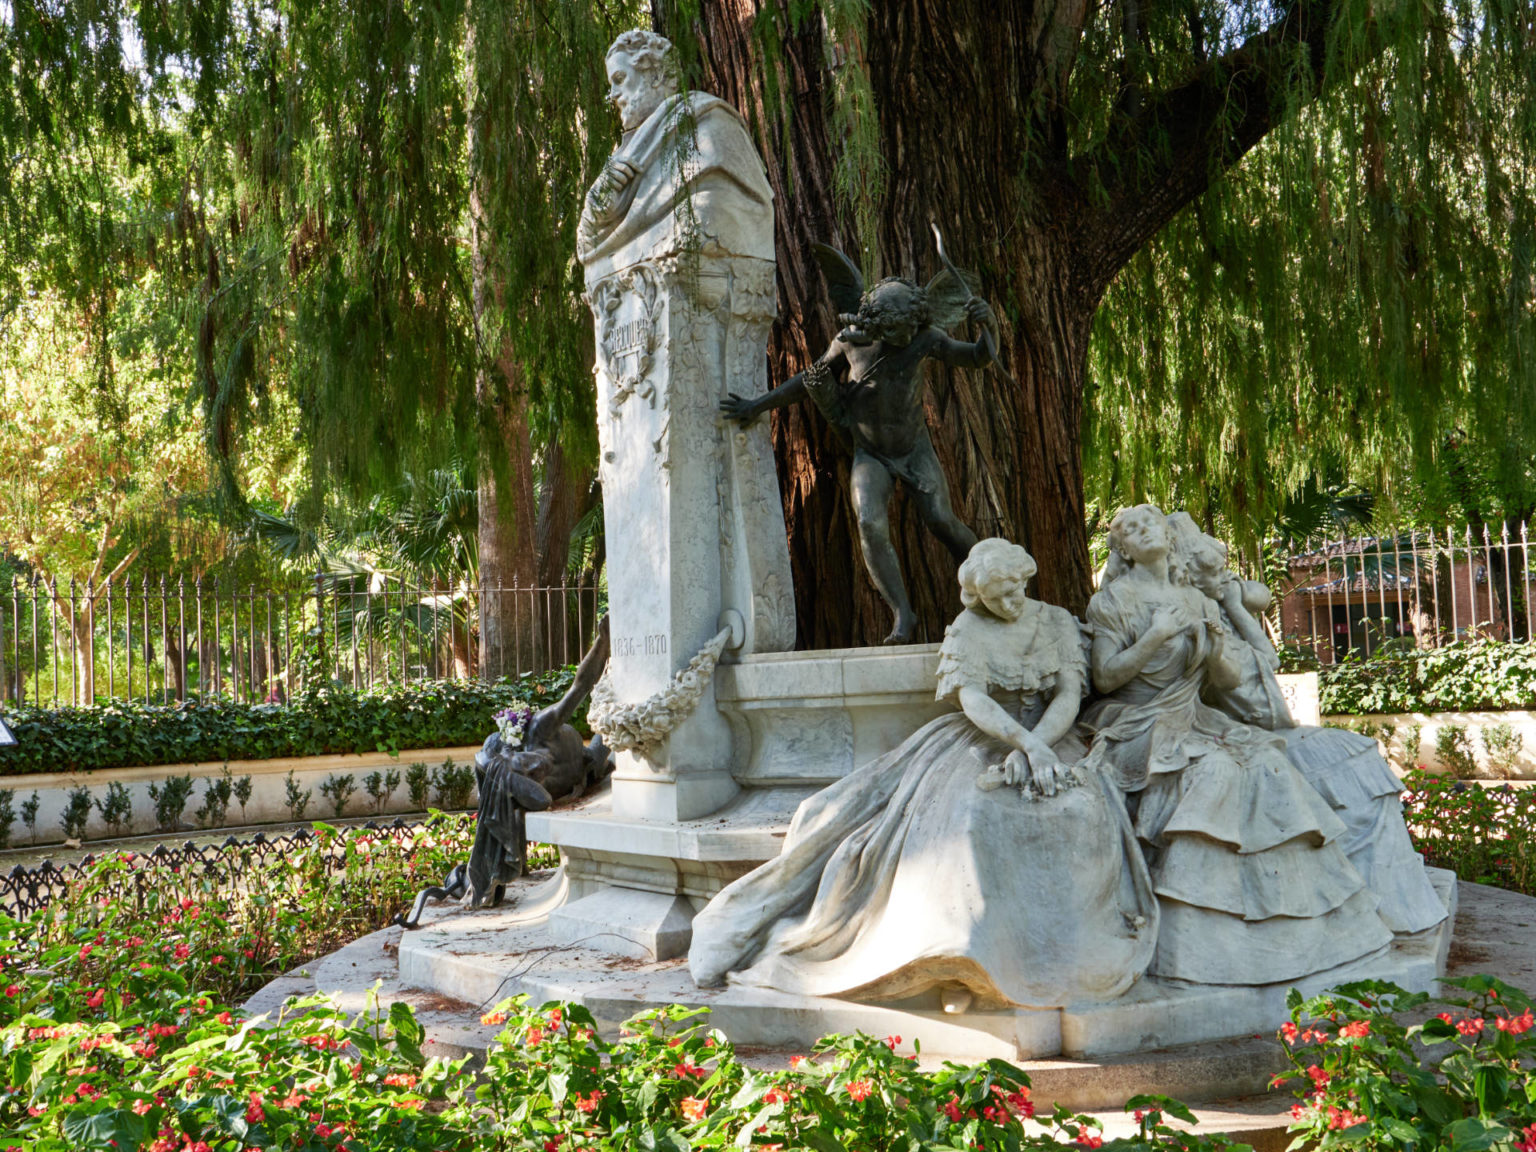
1422	588
25	890
162	641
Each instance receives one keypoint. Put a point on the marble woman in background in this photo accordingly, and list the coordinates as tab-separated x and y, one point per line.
978	859
1346	768
1246	857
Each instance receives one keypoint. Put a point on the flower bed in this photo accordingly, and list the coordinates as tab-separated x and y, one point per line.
1461	1079
1484	834
435	714
116	1032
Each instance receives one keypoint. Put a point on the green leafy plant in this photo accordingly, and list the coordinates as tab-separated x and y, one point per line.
116	808
417	782
218	791
7	816
77	813
242	789
1465	676
453	785
433	714
380	786
170	800
1461	1079
338	790
297	799
1412	744
29	808
1503	746
1454	748
1484	834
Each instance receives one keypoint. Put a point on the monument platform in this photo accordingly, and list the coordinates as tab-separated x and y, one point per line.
480	957
798	721
1224	1080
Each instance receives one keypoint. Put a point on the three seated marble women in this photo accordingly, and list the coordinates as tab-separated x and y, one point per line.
1110	801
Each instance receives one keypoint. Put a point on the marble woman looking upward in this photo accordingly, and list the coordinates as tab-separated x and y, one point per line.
977	861
1246	857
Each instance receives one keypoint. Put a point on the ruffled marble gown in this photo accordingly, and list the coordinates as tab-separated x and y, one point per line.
1347	770
1247	858
905	875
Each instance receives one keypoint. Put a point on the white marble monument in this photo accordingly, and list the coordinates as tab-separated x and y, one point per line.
676	240
938	842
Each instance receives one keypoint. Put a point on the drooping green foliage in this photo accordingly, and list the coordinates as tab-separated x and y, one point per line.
302	179
313	183
1355	299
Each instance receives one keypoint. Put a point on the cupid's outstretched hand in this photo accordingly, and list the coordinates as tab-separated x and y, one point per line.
738	408
978	311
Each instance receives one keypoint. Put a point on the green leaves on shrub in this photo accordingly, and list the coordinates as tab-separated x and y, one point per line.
1465	1078
1486	835
1468	676
436	714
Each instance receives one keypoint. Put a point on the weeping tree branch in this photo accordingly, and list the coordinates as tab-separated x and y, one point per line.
1157	160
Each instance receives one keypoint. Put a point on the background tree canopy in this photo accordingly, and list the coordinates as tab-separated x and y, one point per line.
1236	247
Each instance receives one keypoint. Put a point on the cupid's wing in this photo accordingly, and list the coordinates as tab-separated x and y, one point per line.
845	283
947	294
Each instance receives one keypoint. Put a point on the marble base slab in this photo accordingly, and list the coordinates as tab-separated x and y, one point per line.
480	957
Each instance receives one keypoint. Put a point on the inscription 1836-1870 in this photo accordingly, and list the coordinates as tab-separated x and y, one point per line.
654	644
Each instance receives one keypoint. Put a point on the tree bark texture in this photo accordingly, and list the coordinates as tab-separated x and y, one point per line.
948	111
973	103
508	558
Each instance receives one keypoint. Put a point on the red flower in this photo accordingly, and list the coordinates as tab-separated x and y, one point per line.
775	1095
1470	1026
892	1042
493	1018
1515	1024
1087	1139
225	1019
13	990
859	1089
588	1103
693	1108
142	1106
254	1112
687	1068
1356	1028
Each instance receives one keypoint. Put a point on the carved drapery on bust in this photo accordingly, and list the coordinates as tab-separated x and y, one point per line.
676	241
698	184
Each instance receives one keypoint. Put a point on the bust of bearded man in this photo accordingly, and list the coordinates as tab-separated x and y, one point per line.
685	171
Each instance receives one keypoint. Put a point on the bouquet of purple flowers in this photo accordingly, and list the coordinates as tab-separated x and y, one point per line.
512	723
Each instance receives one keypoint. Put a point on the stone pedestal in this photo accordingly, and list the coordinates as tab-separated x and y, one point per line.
693	524
794	723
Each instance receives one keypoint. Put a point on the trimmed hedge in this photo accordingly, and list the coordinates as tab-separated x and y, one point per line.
122	735
1468	676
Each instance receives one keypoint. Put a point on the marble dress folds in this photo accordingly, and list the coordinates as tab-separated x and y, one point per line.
1247	859
905	875
1347	770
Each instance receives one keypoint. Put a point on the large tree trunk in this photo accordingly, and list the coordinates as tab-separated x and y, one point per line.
954	139
508	640
507	539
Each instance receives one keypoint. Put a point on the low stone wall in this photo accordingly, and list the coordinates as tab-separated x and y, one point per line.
1430	724
267	804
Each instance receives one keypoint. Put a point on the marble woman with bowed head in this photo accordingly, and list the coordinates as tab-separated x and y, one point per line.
1247	859
1345	768
978	859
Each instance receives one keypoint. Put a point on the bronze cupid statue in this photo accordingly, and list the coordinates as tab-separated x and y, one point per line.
869	386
